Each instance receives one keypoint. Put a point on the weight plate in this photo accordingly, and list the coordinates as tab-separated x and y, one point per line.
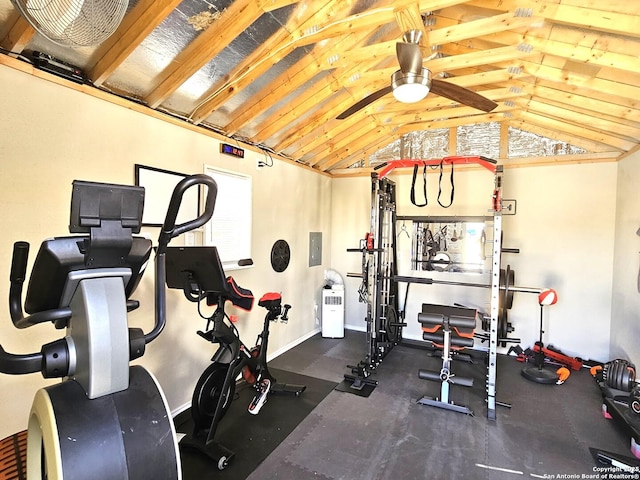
503	326
391	325
510	277
280	256
612	378
501	290
628	378
620	366
615	374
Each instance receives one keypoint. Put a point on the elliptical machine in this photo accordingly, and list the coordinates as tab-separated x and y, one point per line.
106	420
198	272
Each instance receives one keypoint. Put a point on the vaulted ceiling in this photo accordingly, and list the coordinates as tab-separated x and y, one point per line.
277	73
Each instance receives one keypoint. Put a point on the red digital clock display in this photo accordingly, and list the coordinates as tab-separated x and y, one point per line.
232	150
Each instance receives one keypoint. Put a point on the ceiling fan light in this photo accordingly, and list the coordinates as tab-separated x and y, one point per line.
411	87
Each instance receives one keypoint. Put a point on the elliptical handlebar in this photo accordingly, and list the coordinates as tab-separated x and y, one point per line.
169	228
17	278
169	231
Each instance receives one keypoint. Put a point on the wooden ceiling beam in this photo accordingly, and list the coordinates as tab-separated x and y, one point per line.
342	140
327	133
409	18
373	142
327	92
354	152
231	23
598	95
580	102
321	120
307	102
135	27
428	117
625	22
592	122
484	57
531	127
576	53
483	27
278	46
290	80
567	80
438	37
312	31
575	130
19	35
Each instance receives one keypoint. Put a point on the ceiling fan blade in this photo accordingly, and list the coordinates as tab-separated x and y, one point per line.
364	102
462	95
409	57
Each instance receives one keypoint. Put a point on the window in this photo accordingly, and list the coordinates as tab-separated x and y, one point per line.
230	227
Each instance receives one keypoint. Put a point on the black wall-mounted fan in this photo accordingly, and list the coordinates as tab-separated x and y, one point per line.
413	82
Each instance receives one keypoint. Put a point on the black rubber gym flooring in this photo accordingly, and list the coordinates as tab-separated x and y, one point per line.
253	437
546	434
548	430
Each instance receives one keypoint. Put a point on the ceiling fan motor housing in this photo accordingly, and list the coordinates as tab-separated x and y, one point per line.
411	87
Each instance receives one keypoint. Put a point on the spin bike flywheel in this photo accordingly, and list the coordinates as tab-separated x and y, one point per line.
207	394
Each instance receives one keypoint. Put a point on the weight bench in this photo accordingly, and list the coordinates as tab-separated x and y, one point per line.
450	329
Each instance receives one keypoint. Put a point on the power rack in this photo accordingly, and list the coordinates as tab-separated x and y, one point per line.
380	280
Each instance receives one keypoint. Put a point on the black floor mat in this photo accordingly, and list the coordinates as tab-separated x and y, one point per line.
253	437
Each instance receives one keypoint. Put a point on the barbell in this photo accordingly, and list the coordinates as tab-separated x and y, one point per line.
506	285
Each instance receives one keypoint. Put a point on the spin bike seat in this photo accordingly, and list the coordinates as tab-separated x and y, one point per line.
271	300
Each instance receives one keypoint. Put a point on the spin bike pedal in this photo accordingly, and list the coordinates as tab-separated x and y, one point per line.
261	397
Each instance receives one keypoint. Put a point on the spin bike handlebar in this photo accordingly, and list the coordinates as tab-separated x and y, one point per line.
52	355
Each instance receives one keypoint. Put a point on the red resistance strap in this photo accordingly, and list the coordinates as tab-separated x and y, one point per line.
391	165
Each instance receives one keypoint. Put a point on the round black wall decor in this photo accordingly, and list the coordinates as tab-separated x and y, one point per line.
280	255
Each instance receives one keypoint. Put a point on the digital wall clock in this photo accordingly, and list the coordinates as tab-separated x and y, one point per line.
232	150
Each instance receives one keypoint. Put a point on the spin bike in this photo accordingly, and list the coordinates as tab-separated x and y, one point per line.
198	272
106	420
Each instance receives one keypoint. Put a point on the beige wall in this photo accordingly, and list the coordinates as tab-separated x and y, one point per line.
625	311
50	135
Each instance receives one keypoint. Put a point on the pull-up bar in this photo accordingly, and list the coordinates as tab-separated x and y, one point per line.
391	165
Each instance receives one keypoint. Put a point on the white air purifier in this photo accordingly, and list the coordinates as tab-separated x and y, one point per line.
333	312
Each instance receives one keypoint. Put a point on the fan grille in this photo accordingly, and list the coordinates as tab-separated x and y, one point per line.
74	23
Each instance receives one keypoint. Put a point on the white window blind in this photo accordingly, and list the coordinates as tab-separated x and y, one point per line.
230	227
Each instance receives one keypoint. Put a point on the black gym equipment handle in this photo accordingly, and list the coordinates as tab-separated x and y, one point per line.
169	231
169	228
17	278
46	361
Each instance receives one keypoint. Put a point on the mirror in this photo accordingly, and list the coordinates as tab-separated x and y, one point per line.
451	244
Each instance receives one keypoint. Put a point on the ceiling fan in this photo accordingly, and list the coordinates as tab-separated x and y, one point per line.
413	82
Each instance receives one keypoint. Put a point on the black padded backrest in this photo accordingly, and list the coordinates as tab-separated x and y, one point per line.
433	314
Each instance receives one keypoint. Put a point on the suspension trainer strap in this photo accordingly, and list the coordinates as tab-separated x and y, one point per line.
424	185
440	186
